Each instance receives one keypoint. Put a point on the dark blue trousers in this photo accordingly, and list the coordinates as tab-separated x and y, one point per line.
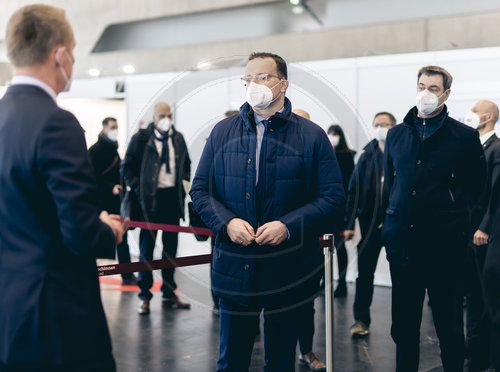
238	326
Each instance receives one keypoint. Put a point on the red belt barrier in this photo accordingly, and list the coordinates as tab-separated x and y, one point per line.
172	228
168	263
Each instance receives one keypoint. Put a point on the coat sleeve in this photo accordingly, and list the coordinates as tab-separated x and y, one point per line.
388	164
131	164
204	195
475	169
63	162
326	209
354	191
485	225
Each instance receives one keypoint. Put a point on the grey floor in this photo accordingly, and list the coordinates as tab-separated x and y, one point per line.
187	340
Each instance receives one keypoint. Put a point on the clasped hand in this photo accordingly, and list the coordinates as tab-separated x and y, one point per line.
271	233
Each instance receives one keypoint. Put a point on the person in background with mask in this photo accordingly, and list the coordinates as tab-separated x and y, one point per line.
156	163
482	117
105	160
435	169
367	199
268	184
345	157
306	325
51	227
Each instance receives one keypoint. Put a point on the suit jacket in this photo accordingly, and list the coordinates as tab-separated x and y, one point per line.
481	212
50	234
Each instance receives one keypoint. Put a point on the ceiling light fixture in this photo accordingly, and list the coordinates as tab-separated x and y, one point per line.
128	69
297	9
295	2
94	72
203	65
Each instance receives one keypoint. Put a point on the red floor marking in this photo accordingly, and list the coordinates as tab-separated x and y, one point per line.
115	284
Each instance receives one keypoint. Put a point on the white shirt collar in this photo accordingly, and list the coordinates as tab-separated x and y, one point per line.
29	80
485	137
259	118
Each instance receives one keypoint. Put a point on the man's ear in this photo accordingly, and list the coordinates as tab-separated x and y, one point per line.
56	54
284	85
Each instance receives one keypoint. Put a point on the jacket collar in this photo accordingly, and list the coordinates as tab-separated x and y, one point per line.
490	140
278	120
412	119
105	141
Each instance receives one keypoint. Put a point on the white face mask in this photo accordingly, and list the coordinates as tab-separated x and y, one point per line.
382	134
113	135
334	140
427	102
165	124
260	96
474	120
68	79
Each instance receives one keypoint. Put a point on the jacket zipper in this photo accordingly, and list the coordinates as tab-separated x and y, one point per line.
449	189
423	135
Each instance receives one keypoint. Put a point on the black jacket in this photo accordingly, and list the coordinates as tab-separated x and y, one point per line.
106	163
346	164
141	166
433	183
367	195
481	212
491	278
50	235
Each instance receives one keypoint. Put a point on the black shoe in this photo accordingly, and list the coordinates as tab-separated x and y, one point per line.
129	279
340	291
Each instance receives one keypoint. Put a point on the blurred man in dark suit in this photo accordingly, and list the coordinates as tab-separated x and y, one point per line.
51	229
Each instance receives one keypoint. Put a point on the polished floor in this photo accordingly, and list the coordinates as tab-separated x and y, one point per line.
187	340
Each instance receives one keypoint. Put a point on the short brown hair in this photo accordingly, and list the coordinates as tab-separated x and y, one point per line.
32	32
280	62
436	70
392	118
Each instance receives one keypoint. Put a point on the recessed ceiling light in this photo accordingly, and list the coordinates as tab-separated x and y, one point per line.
128	69
297	9
203	65
295	2
94	72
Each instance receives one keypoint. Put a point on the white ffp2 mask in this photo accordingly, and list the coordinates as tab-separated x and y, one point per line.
260	96
427	102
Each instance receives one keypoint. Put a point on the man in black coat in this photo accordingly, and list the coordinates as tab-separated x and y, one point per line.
105	160
367	199
436	170
156	163
51	229
491	275
483	117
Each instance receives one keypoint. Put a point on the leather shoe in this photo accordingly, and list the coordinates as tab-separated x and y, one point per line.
175	303
143	307
312	362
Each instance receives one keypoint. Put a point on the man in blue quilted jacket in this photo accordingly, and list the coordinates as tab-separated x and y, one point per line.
268	184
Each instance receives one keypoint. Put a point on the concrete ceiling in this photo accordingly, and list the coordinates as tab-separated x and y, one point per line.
350	28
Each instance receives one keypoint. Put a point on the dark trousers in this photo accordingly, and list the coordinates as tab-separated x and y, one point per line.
495	346
341	257
168	213
123	253
215	298
237	333
478	336
368	252
306	328
445	290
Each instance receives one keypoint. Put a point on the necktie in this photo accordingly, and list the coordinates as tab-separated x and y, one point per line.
165	153
261	184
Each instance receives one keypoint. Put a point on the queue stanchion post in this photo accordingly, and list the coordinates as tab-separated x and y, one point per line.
328	251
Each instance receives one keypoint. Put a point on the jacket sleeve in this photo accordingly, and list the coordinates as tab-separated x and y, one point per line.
204	195
356	184
485	225
326	209
131	164
186	163
63	162
475	168
388	164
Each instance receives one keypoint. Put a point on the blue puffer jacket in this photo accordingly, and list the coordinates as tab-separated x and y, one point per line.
303	189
